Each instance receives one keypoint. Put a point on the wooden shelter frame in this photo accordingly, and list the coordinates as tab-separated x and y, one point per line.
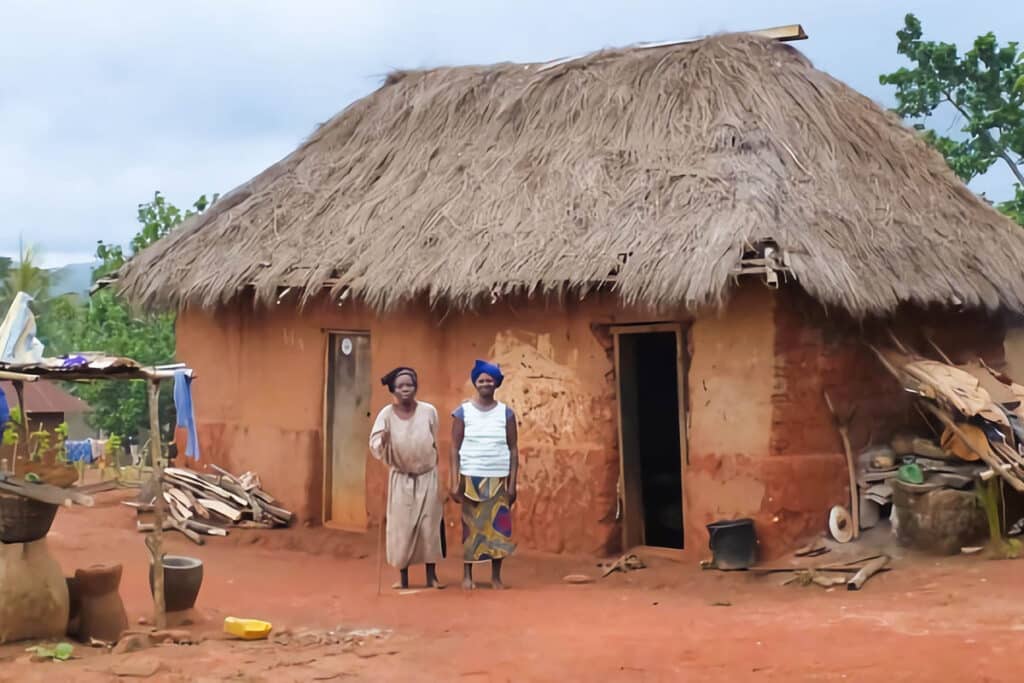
152	376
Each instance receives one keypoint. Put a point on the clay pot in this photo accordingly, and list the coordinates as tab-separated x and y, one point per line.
100	612
183	576
74	607
33	594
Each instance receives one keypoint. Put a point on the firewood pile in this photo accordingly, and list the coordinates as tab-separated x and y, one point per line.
199	504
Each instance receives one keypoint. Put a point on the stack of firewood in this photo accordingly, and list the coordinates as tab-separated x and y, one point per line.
208	504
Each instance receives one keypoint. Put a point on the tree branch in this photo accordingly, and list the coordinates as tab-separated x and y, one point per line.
1002	154
1014	168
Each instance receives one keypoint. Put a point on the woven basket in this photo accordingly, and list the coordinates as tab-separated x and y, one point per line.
23	520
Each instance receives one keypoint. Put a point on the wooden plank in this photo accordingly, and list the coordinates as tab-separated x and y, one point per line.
194	505
782	34
349	413
208	529
9	376
249	524
325	431
177	510
644	328
279	513
192	478
251	504
869	570
44	493
988	458
221	508
630	485
98	487
264	496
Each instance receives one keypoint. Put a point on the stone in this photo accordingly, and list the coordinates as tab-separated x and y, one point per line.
132	642
136	667
172	636
34	602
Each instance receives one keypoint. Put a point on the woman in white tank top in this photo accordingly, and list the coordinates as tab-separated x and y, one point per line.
485	469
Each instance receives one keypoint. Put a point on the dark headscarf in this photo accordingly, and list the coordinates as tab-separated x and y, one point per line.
389	379
482	367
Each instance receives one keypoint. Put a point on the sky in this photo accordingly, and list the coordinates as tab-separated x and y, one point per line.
103	103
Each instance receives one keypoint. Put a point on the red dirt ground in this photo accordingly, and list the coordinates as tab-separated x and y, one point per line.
950	619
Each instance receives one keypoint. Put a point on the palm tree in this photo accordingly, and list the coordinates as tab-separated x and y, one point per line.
24	276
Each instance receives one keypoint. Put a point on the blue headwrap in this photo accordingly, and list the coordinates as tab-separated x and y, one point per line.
482	367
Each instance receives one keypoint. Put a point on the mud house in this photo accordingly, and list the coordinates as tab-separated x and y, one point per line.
672	250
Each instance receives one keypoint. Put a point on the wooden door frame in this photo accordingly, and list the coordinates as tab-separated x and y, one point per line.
326	448
678	328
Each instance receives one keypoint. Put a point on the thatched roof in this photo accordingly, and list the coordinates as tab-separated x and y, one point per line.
454	182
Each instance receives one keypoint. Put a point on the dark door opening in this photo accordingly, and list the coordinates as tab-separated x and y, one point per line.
649	423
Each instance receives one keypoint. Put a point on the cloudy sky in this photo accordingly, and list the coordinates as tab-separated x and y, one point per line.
102	103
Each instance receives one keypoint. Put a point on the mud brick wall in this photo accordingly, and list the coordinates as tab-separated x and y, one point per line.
819	351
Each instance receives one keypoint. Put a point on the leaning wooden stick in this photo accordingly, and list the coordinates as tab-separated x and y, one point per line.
843	425
380	553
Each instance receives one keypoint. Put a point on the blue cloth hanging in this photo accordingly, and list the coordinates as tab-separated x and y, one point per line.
79	451
5	411
186	418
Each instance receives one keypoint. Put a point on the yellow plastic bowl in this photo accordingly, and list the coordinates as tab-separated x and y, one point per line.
247	629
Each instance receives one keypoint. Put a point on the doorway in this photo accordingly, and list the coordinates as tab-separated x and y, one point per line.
650	373
347	430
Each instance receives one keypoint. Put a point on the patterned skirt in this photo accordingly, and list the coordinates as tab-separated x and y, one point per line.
486	520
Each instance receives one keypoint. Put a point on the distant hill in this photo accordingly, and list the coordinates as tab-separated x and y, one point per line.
74	278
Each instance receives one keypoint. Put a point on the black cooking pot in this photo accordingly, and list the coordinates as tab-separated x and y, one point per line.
733	543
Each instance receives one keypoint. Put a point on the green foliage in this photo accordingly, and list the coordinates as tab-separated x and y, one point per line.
984	86
157	218
113	447
59	653
12	430
23	276
107	324
40	440
60	437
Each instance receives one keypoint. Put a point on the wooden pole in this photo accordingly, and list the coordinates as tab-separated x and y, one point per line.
155	542
843	425
380	553
19	389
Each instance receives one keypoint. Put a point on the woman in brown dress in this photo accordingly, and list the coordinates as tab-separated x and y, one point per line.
404	437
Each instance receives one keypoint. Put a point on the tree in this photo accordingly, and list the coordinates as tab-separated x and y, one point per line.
984	86
24	276
107	324
5	267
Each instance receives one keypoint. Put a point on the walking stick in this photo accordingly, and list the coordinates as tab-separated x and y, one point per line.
380	552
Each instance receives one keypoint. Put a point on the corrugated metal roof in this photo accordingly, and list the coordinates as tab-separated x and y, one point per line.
45	397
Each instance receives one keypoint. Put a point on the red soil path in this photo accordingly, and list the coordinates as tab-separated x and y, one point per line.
951	619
